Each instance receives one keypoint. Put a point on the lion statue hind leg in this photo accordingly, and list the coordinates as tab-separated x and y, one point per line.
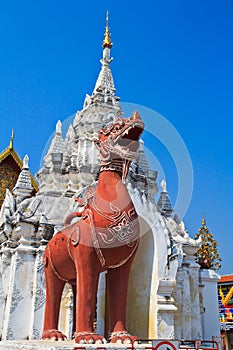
54	289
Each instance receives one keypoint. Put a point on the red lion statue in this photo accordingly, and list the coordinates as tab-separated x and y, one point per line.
105	238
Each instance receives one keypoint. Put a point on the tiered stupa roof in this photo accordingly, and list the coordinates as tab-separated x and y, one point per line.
164	203
23	187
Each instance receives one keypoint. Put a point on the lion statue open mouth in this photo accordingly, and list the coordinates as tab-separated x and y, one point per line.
104	239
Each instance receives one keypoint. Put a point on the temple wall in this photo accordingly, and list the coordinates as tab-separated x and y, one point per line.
209	279
140	289
164	294
164	297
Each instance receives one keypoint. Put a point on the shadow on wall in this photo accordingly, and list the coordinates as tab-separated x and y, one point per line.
140	282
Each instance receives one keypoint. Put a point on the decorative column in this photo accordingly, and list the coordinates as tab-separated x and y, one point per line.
166	309
209	279
195	307
44	234
186	304
209	260
19	298
197	331
5	265
7	251
178	302
23	242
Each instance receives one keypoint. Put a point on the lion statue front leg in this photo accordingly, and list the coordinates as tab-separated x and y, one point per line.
85	269
54	289
88	270
117	282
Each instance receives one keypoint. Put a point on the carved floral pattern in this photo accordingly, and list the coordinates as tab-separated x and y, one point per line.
19	262
36	333
10	333
40	298
16	298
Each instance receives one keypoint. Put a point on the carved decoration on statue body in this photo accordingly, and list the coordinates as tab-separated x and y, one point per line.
104	239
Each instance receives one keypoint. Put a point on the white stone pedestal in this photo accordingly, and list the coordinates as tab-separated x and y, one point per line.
209	279
36	345
38	298
19	298
61	345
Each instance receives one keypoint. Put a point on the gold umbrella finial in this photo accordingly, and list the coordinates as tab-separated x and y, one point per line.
12	139
203	222
107	40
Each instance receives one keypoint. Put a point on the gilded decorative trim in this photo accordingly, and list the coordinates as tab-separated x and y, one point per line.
11	152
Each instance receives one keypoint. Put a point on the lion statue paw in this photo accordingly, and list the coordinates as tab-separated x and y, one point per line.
53	334
122	338
88	338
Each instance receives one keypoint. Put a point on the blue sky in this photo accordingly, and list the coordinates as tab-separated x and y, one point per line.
174	57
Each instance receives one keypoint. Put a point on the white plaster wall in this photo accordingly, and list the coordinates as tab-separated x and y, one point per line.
19	300
139	291
101	307
209	279
5	269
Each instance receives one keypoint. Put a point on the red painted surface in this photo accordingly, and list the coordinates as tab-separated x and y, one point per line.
226	278
167	343
106	238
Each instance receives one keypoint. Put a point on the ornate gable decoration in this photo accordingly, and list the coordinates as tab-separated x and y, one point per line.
10	168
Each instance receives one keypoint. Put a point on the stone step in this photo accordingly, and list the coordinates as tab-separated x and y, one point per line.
58	345
70	345
36	345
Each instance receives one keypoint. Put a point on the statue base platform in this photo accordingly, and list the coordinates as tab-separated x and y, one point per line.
36	345
59	345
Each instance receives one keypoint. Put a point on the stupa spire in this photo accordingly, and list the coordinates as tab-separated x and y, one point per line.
164	203
23	187
107	39
104	90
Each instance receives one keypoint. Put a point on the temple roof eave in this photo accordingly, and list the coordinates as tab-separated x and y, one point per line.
9	151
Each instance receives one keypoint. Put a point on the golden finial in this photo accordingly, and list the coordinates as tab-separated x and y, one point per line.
203	220
12	139
107	40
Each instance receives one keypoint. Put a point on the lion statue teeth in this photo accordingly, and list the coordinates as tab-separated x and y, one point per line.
105	238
